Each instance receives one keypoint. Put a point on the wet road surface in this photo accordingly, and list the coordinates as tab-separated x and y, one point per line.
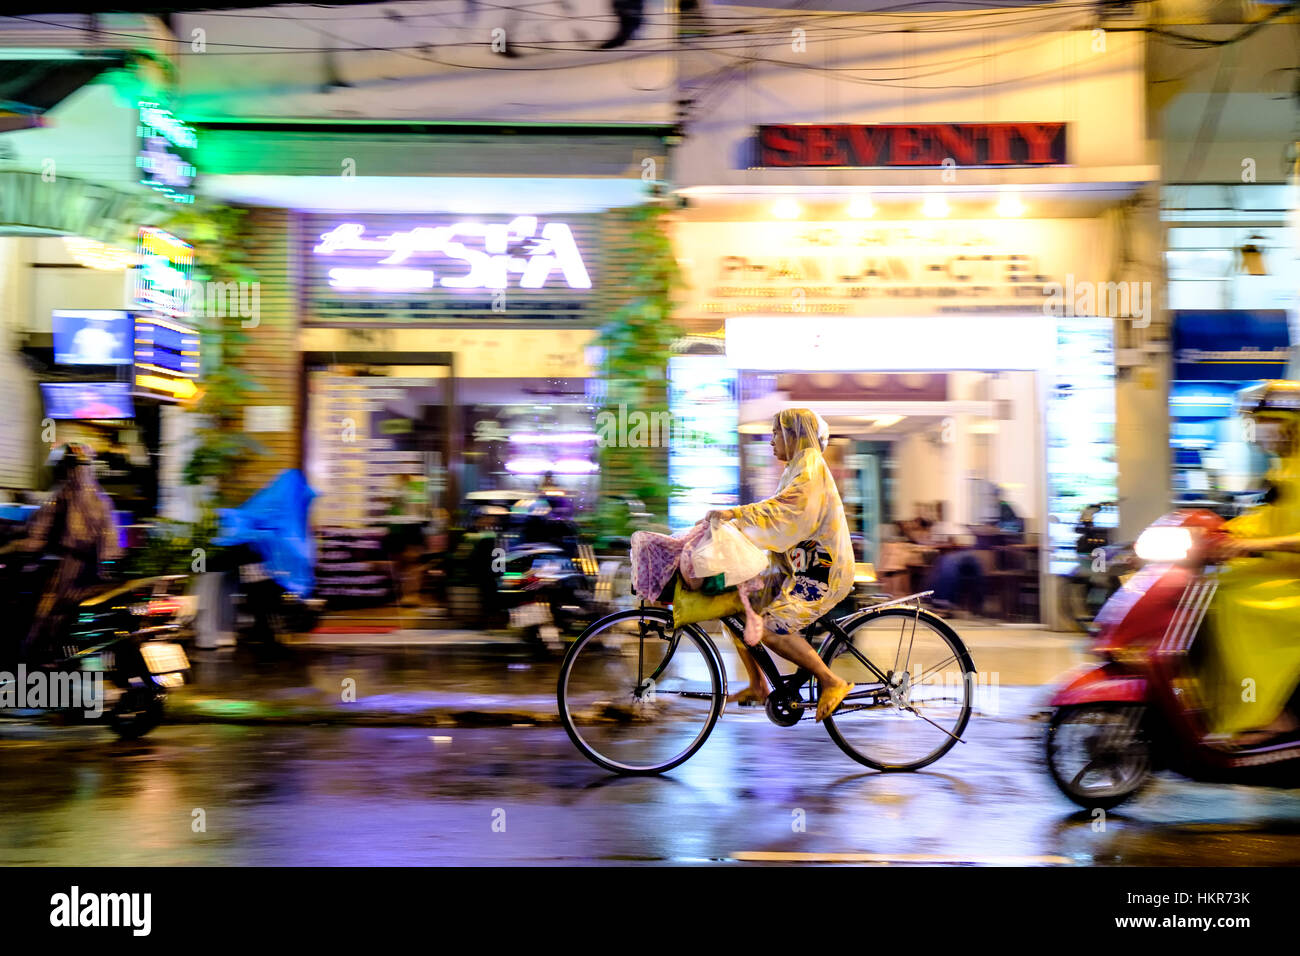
756	792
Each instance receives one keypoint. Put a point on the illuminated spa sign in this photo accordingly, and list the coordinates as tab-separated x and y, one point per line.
463	255
166	156
912	144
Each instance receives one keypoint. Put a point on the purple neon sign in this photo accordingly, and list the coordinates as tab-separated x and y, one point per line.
461	255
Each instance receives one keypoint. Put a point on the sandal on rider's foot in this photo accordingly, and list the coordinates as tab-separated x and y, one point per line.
748	698
830	700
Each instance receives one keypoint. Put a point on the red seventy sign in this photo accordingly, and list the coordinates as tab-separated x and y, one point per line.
925	144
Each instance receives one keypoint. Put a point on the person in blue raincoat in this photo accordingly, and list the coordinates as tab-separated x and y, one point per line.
272	545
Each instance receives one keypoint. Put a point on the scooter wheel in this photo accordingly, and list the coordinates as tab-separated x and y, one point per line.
1099	755
137	712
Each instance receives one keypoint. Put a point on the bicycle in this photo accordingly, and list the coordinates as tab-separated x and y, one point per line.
638	696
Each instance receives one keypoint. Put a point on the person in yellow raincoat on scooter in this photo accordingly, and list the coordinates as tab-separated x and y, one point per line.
1252	662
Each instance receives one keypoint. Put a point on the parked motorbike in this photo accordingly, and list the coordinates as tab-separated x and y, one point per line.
542	587
123	636
1137	710
1096	578
1102	566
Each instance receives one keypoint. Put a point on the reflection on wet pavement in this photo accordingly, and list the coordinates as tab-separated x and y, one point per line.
755	792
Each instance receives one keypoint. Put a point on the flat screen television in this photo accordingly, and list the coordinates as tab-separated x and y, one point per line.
93	337
88	401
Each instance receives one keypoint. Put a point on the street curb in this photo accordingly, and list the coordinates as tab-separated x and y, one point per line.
246	713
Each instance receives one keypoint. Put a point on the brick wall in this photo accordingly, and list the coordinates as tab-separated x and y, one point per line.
270	355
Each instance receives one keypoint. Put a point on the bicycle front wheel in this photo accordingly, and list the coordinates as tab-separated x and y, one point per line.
915	686
637	697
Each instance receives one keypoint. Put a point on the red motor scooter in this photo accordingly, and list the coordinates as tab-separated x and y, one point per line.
1139	709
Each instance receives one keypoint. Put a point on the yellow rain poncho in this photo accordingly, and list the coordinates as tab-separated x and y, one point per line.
1252	661
804	525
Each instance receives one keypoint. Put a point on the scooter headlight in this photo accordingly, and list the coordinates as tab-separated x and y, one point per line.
1164	544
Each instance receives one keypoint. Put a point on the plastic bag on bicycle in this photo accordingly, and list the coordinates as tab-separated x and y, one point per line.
661	569
725	551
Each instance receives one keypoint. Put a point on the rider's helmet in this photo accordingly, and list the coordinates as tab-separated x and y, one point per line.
1273	409
66	458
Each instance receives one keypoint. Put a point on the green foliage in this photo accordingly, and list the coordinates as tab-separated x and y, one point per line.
637	342
169	548
218	234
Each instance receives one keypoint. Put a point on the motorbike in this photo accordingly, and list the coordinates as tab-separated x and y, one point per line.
543	588
122	642
544	579
1137	711
1102	566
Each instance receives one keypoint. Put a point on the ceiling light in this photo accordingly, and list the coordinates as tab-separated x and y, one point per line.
935	206
860	207
1010	206
786	209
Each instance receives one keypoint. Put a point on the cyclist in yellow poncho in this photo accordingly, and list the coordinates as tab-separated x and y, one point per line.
1252	661
811	568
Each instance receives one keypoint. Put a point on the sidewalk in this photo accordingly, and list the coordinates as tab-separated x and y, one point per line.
449	678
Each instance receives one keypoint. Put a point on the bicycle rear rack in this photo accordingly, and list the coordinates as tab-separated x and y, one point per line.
906	599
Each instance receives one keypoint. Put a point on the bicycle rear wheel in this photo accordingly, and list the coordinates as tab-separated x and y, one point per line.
637	697
916	685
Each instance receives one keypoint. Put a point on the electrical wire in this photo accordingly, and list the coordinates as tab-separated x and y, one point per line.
776	28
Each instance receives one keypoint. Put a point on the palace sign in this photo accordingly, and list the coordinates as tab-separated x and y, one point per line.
913	144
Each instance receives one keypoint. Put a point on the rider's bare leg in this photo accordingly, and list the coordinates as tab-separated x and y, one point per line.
757	689
795	649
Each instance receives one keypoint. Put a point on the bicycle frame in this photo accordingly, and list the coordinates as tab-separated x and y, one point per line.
791	685
883	684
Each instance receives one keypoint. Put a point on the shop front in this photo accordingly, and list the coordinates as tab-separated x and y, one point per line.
1231	259
966	369
97	344
959	280
446	367
120	354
